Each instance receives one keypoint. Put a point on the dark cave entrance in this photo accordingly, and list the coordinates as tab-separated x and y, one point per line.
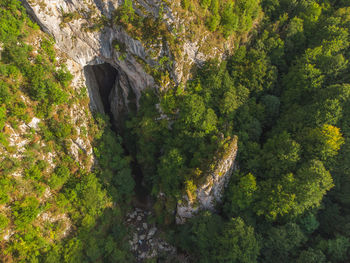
101	80
105	76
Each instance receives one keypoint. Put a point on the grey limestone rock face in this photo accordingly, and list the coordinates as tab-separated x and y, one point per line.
88	47
209	193
71	23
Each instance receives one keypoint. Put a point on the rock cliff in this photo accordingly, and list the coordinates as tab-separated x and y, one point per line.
209	193
88	33
70	24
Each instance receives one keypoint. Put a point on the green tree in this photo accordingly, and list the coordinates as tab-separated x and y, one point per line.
324	142
276	199
311	256
280	155
170	171
198	236
205	3
236	243
338	249
295	41
213	22
59	178
229	19
25	211
192	111
2	117
240	194
313	182
281	242
272	109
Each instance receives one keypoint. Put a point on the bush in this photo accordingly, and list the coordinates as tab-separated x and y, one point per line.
64	76
2	117
24	212
35	171
185	4
3	222
5	94
213	22
5	187
59	178
60	129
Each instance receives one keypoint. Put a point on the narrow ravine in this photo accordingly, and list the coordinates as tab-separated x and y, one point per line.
105	78
145	239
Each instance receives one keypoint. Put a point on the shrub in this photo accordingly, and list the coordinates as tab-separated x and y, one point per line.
59	178
185	4
2	117
5	94
24	212
35	171
3	222
64	76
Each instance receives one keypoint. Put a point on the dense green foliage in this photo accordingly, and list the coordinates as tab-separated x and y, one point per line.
286	96
65	213
211	240
227	17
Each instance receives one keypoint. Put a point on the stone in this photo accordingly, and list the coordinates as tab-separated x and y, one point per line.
144	225
34	123
142	237
139	218
211	191
152	231
133	215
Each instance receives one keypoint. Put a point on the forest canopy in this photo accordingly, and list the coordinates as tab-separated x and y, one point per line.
286	96
283	93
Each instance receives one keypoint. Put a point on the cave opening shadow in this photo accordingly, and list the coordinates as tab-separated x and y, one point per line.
101	80
104	76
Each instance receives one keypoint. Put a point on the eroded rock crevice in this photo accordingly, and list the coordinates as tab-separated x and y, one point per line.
109	92
106	77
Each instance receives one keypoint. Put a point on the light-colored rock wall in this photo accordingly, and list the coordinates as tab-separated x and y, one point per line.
91	47
87	47
210	192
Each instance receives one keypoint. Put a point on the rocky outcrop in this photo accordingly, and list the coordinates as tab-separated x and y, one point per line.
72	24
146	242
209	193
87	32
